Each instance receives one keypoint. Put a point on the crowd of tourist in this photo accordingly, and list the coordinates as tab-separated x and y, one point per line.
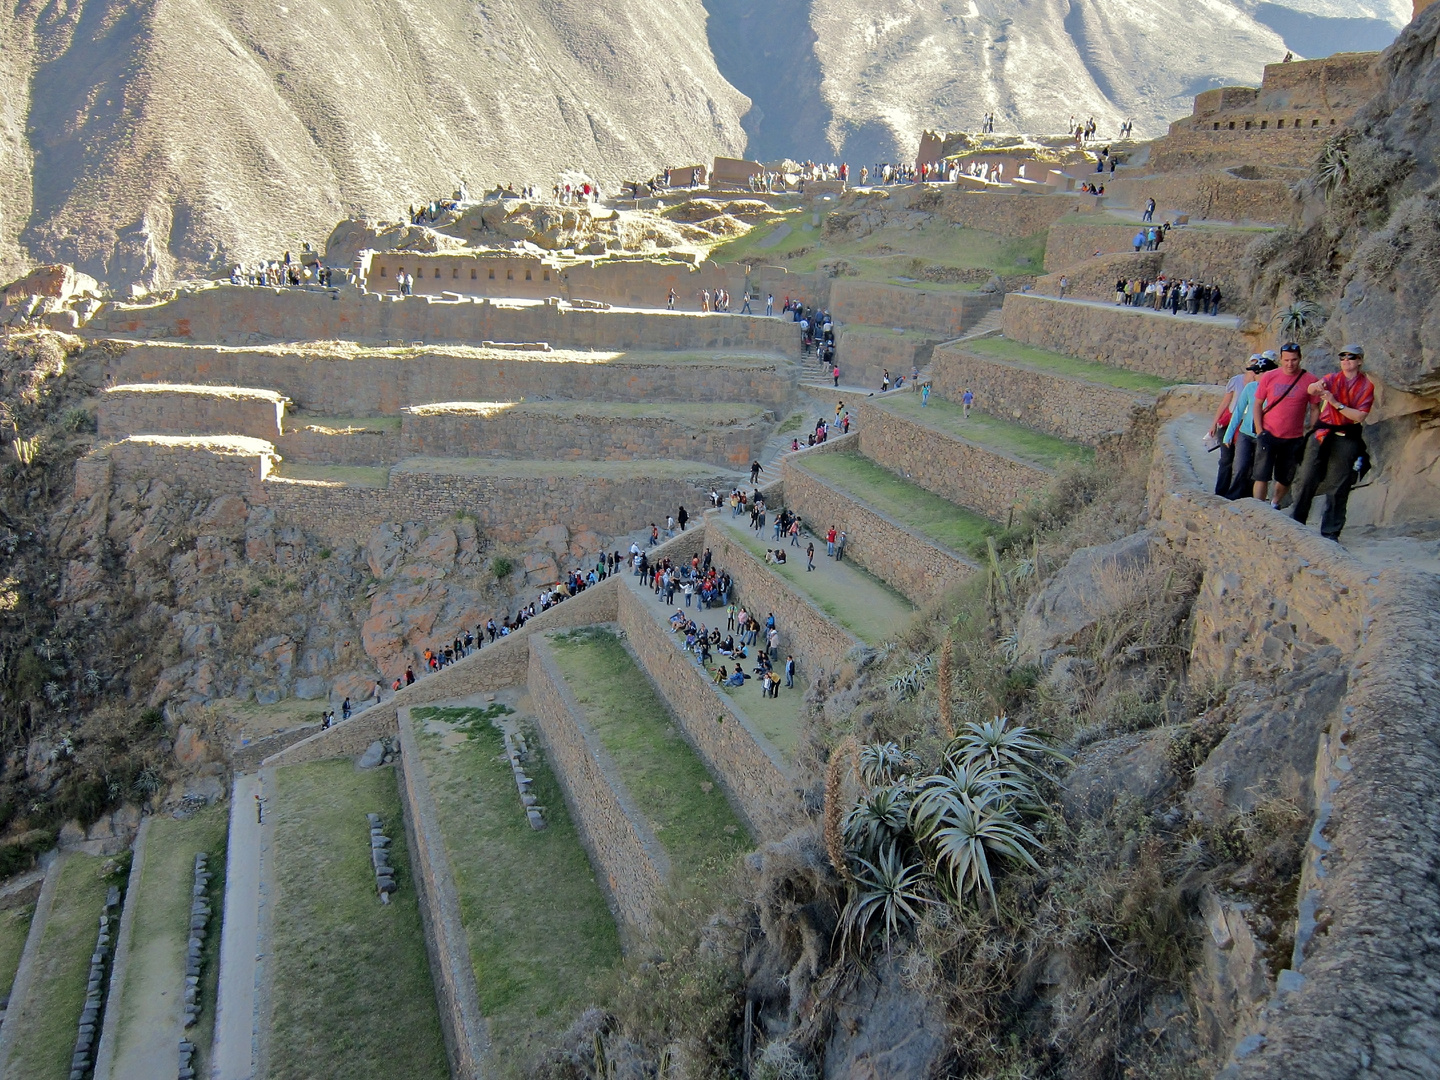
1182	294
284	271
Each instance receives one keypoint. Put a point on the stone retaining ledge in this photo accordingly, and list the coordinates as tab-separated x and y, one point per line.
1065	406
915	565
988	481
1186	348
633	866
1362	992
188	409
758	782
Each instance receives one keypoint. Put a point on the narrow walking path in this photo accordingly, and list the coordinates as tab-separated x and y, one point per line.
157	1018
863	604
235	1042
1230	321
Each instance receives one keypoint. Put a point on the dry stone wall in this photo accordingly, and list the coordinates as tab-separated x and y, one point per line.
578	435
818	643
864	354
1006	213
622	847
1068	408
1203	252
322	444
945	312
1361	983
190	410
910	562
760	785
1185	348
238	314
1215	195
985	480
381	384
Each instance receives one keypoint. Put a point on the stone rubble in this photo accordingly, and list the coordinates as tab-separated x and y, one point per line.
380	858
91	1016
516	752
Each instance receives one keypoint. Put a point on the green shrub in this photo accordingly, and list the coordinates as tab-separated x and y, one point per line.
501	567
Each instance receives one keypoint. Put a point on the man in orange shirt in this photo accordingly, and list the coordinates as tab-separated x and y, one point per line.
1334	449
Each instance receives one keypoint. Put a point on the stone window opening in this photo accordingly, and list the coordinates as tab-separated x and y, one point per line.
1279	123
509	275
474	273
455	273
1314	123
546	275
1264	124
492	275
1248	124
437	272
382	273
527	275
1217	125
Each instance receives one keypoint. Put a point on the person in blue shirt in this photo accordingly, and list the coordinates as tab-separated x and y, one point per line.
1241	431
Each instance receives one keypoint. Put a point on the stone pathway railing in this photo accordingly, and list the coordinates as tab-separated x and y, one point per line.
199	925
380	858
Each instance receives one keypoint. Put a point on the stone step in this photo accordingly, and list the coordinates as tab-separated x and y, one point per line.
1182	348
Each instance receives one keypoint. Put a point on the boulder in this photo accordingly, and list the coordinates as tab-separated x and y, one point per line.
311	688
373	755
1092	584
885	1030
1135	765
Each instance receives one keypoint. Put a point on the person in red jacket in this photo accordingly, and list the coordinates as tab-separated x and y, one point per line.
1333	450
1282	402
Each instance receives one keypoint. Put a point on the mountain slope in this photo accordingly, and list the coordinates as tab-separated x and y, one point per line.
184	133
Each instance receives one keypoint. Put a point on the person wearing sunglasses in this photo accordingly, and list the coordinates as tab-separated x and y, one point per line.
1335	448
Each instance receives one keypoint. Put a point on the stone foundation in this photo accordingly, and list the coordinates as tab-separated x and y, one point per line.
864	354
946	313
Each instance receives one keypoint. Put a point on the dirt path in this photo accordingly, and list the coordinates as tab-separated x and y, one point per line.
234	1052
158	1016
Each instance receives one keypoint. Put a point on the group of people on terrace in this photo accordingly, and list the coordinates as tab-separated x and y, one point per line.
285	271
1182	294
1278	420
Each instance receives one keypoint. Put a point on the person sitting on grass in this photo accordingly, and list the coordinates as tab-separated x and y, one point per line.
727	647
737	678
720	675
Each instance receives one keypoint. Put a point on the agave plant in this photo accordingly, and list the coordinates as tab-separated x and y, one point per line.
877	820
912	680
1332	167
968	783
1302	319
999	745
1010	646
961	840
884	763
887	894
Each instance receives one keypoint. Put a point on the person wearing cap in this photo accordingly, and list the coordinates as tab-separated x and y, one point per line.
1221	423
1336	444
1282	403
1240	434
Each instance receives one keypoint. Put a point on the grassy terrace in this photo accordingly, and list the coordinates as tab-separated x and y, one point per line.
48	1022
354	350
14	928
863	604
1059	364
1003	435
927	513
354	475
890	254
536	921
614	470
150	999
698	413
352	992
669	784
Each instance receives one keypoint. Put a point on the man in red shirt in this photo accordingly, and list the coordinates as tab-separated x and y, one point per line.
1333	450
1282	401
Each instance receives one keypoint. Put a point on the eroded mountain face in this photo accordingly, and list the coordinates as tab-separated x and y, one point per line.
148	141
144	140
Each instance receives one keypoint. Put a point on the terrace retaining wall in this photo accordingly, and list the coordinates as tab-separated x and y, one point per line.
581	435
629	860
918	567
759	784
1185	348
947	313
190	410
985	480
381	384
239	314
1060	405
